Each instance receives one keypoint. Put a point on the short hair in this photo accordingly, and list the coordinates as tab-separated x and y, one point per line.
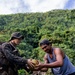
45	41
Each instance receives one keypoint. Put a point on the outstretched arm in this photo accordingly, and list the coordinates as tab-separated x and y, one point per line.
57	63
13	58
45	62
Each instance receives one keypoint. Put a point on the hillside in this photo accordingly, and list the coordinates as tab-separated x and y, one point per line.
57	25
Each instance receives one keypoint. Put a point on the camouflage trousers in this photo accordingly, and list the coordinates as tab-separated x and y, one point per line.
2	71
8	71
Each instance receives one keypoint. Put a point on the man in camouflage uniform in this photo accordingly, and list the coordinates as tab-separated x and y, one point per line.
10	59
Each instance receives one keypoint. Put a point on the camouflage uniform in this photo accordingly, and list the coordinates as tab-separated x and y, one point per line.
11	59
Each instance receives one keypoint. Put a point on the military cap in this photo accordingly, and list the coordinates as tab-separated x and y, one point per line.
16	35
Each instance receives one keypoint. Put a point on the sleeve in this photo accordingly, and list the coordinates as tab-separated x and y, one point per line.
11	57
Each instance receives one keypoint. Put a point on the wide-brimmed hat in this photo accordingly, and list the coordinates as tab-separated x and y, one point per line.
16	35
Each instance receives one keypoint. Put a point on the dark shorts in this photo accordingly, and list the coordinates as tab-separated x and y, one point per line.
72	73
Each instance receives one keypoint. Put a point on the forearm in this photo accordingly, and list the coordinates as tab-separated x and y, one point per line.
40	69
44	70
53	65
13	58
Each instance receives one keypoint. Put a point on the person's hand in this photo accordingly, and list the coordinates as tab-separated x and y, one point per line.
40	66
30	64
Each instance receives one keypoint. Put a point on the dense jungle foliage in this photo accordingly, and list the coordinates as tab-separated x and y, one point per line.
57	25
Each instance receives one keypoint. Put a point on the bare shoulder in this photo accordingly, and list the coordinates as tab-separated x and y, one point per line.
45	56
58	51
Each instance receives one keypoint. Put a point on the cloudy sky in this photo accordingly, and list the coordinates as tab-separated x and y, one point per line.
23	6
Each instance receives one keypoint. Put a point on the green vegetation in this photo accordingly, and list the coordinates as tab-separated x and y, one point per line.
58	26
